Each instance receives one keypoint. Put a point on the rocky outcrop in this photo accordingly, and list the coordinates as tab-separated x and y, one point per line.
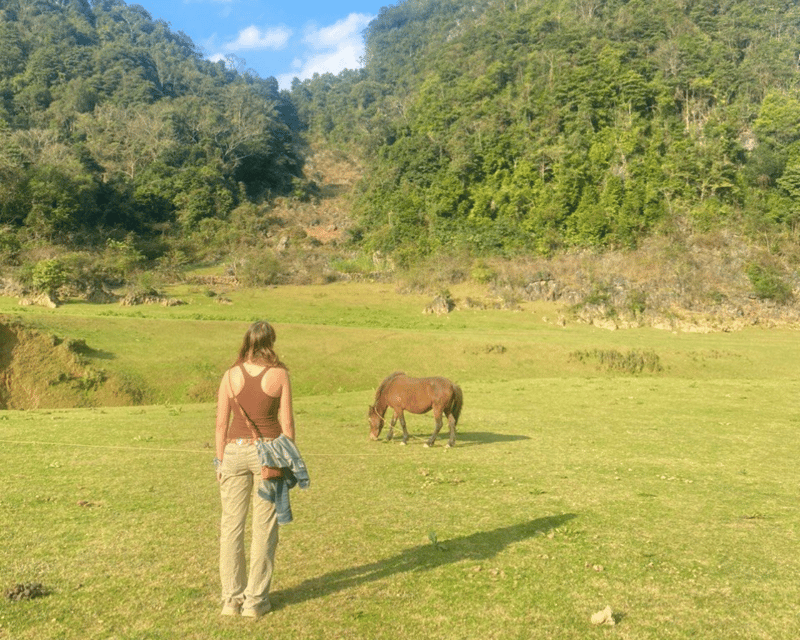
40	300
706	288
134	299
441	305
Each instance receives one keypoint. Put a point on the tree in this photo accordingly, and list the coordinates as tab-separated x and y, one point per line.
48	275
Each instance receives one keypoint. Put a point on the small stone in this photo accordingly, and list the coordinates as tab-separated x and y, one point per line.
606	616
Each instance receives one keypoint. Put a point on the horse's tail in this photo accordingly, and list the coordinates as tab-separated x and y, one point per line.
458	402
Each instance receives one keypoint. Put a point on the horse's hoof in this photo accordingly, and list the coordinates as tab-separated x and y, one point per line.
403	443
426	445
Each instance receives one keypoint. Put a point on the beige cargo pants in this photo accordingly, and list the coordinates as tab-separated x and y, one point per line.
240	477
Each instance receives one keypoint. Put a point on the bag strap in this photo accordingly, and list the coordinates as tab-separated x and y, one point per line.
248	421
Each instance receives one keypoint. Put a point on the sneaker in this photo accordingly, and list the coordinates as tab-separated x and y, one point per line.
256	612
231	609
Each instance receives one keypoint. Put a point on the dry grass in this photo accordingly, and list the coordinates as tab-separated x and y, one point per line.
697	282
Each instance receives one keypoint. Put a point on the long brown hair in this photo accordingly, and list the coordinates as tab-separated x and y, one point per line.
258	345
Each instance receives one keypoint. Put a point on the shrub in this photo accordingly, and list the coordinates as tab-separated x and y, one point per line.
10	246
358	265
768	283
634	361
48	275
261	268
122	257
482	273
144	284
637	303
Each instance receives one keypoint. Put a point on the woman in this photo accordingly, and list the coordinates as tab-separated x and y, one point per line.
257	392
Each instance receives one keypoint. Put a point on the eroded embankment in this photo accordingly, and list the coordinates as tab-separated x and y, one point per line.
40	371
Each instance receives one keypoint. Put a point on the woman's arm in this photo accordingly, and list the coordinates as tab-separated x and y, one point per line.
223	416
286	412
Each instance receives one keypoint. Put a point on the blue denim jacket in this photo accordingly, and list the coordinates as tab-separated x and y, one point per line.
282	452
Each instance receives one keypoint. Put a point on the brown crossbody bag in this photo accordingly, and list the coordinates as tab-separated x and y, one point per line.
267	473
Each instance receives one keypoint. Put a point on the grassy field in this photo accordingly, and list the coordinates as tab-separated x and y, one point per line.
669	496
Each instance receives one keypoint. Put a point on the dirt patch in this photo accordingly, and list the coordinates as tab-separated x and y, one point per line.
325	216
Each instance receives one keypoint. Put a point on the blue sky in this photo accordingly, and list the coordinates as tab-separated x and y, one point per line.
282	39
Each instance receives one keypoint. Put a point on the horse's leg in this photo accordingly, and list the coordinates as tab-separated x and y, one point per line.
391	427
403	424
451	422
438	417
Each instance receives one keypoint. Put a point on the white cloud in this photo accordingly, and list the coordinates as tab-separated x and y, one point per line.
344	33
285	80
345	57
254	38
330	49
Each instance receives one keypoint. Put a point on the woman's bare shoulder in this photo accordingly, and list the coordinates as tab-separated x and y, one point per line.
277	373
232	372
275	381
233	379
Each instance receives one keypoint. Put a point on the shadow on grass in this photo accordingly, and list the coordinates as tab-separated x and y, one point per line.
462	439
476	546
81	348
487	438
8	341
101	355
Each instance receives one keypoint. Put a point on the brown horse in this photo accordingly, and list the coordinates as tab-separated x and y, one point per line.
417	395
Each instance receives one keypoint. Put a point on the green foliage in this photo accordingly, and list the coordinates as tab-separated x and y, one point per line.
633	361
48	275
637	303
523	127
112	123
259	268
121	258
211	239
482	273
494	128
361	264
768	284
9	246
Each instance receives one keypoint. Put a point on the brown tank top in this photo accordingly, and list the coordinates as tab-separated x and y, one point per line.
262	409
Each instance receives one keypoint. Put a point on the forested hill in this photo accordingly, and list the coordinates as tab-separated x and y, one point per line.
508	126
486	128
114	127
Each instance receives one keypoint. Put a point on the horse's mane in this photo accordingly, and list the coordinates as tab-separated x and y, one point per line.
382	386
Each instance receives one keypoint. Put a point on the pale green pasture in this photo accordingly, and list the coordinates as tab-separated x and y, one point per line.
671	497
671	500
347	337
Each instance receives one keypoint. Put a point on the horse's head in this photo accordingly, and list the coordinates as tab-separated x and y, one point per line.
375	423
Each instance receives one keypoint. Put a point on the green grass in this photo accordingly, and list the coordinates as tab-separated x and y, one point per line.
670	497
347	337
